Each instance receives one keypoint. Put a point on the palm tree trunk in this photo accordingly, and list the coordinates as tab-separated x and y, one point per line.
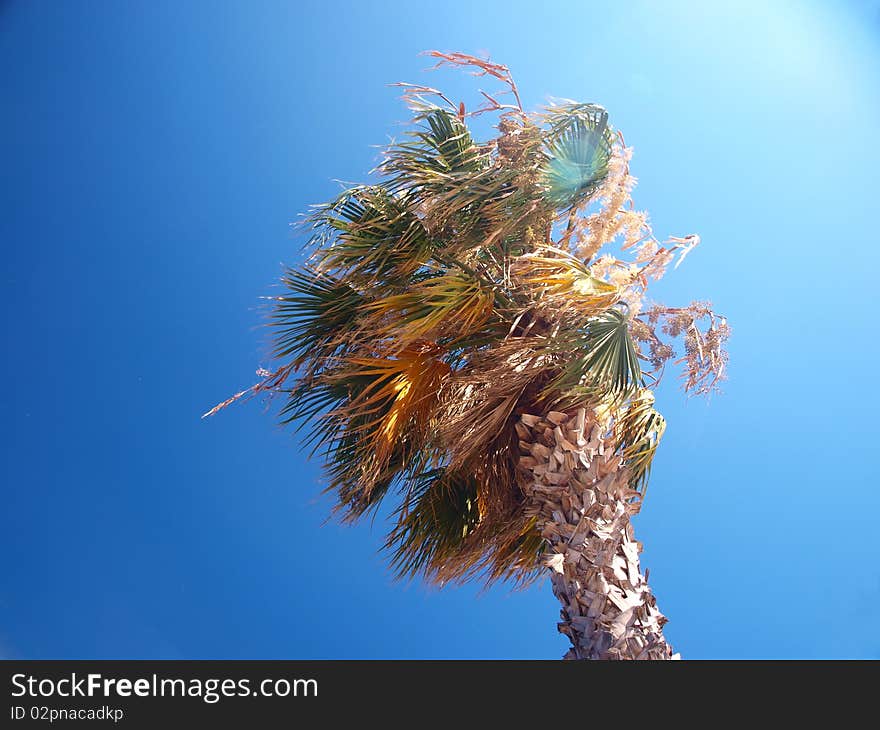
578	490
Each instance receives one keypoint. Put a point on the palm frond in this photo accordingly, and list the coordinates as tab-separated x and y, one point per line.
578	151
310	398
506	547
439	512
607	363
451	302
369	235
443	534
517	547
563	282
445	147
398	401
638	432
369	416
313	319
462	195
484	396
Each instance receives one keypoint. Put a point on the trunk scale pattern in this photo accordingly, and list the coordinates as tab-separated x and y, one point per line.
579	493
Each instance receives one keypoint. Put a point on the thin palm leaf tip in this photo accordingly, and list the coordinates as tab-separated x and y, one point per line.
468	287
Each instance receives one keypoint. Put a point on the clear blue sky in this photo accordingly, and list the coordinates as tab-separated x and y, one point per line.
153	155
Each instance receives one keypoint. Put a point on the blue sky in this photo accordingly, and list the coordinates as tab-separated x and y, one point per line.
154	155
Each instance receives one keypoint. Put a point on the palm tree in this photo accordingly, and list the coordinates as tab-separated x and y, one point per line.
468	339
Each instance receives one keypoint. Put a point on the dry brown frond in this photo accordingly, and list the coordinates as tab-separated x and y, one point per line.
484	394
400	397
449	305
561	282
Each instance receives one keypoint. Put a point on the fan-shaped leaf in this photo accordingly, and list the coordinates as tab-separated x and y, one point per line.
579	149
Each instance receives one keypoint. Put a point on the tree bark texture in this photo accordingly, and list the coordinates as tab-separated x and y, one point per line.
579	493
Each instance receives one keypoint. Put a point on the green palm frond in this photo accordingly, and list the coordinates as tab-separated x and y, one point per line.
450	142
314	317
477	211
432	523
310	398
462	196
578	151
443	533
371	235
517	553
639	430
607	363
369	418
434	154
357	478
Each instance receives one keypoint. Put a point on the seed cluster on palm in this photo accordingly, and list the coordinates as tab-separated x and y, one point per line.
469	338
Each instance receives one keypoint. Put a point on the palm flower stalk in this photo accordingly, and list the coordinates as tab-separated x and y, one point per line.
469	339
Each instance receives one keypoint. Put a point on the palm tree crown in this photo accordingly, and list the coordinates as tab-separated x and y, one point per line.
474	283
